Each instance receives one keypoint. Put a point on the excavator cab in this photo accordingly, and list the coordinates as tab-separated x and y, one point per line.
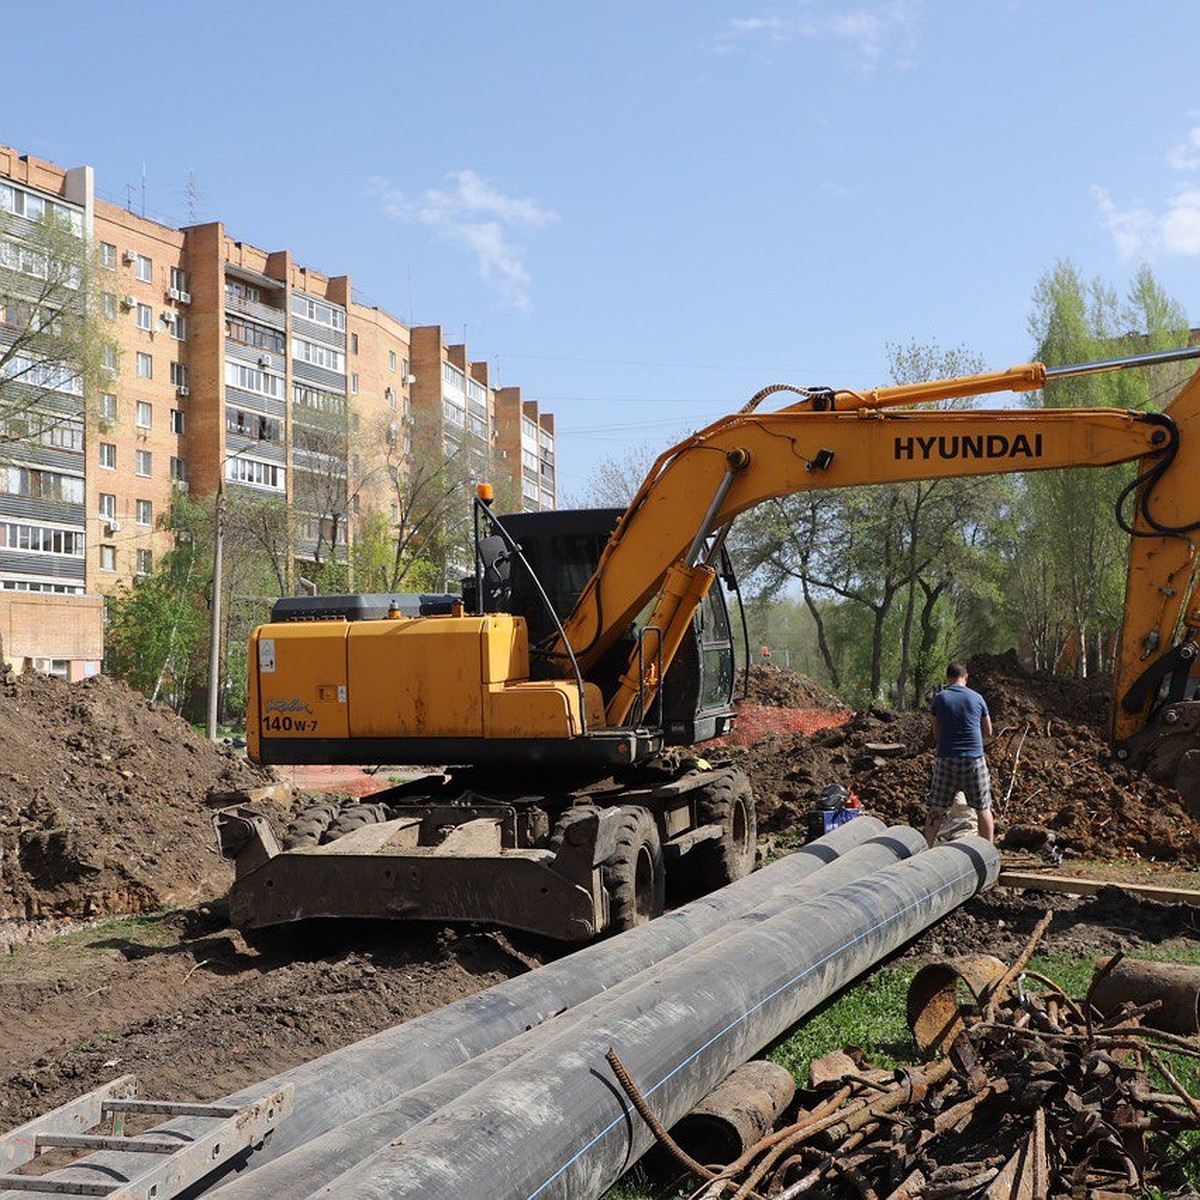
560	548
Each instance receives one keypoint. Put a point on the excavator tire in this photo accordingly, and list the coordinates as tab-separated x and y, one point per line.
355	816
309	826
728	802
634	876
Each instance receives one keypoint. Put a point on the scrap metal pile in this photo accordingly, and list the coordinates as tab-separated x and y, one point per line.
1031	1094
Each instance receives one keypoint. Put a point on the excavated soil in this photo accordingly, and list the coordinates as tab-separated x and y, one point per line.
102	801
1052	772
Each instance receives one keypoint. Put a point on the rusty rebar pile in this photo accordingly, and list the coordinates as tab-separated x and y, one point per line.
1036	1095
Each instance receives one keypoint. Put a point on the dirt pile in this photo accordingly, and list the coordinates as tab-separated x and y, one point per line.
102	801
780	700
1050	764
773	686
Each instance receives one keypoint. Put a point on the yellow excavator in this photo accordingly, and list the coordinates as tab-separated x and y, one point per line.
563	692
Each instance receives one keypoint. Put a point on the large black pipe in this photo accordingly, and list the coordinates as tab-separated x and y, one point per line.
321	1160
337	1087
555	1123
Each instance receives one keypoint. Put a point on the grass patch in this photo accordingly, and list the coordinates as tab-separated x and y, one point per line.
869	1016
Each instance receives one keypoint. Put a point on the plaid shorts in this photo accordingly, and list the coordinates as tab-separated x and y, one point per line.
966	775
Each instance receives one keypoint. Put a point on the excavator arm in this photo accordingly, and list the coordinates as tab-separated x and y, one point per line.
656	562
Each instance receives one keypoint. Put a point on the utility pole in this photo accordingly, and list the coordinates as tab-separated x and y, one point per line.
214	633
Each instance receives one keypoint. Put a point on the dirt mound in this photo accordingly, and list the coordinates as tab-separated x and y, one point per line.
781	687
102	801
1050	764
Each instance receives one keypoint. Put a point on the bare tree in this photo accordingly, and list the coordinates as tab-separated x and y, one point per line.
425	527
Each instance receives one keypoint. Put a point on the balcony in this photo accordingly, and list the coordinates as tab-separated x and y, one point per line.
256	309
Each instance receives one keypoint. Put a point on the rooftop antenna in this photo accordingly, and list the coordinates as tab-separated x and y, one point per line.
143	187
192	195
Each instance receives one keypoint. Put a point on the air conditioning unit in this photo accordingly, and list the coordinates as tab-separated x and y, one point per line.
129	302
263	360
182	390
181	485
180	297
168	316
112	526
130	256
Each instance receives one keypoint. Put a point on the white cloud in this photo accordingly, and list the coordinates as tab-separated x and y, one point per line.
474	213
870	35
1173	229
1186	156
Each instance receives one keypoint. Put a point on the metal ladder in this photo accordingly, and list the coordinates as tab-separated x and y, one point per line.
175	1159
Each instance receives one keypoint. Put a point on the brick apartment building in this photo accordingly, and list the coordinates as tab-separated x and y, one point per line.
228	365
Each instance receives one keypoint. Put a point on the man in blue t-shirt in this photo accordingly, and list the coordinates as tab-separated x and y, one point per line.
960	723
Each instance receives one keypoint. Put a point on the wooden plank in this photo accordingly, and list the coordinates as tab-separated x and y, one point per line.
1031	881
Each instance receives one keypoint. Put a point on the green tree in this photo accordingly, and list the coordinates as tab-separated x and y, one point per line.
157	625
905	555
1071	537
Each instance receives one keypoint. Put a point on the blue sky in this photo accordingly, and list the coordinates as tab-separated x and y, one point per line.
643	212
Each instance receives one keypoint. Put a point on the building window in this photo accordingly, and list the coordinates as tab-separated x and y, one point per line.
391	398
354	384
176	421
144	462
108	407
255	473
179	470
236	290
41	540
354	343
145	268
391	360
179	280
405	370
145	317
317	310
453	377
108	357
33	429
33	207
145	414
178	328
40	484
247	333
145	366
108	256
308	397
250	379
108	455
108	506
253	425
145	512
318	355
178	374
108	305
108	558
145	562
